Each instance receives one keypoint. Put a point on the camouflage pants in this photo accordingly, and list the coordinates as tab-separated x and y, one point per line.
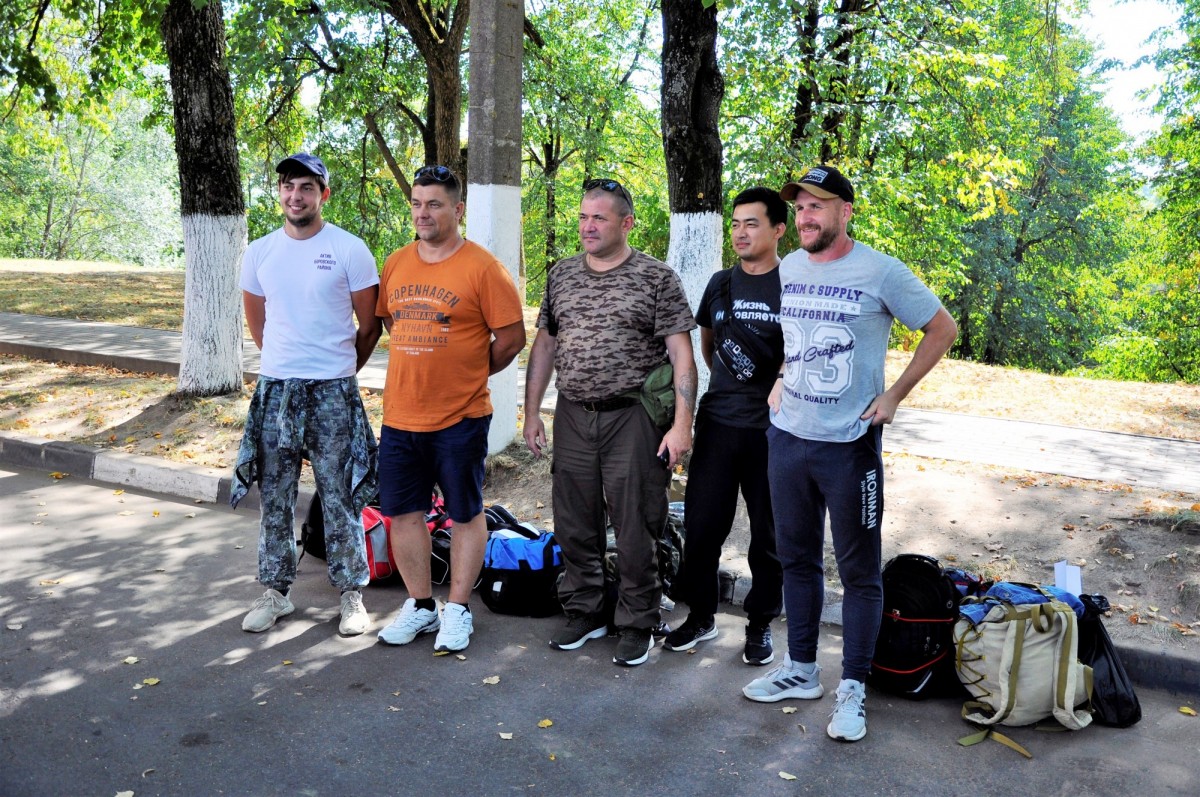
317	420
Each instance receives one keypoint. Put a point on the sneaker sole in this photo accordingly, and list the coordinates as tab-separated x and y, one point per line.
599	632
829	730
787	694
758	662
268	625
706	636
427	630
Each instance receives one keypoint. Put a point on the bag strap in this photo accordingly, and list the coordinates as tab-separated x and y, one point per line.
751	344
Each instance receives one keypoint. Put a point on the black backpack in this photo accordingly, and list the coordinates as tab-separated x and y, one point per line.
914	653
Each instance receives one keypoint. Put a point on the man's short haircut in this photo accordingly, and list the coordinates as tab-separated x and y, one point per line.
440	175
601	186
777	211
289	174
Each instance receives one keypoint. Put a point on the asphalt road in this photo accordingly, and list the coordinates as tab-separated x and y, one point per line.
89	579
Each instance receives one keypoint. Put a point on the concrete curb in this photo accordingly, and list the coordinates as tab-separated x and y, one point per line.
1158	668
150	474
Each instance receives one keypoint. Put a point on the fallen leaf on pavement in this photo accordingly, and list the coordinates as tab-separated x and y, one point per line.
545	723
492	679
118	492
124	794
393	708
787	775
126	513
49	582
461	657
505	736
286	662
190	514
788	709
14	626
1191	712
151	681
130	660
59	475
441	653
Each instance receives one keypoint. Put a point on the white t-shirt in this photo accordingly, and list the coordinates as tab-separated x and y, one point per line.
836	319
309	331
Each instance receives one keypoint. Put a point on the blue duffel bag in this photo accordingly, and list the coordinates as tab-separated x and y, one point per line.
521	568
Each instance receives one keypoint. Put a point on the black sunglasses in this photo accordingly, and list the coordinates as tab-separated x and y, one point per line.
439	173
609	185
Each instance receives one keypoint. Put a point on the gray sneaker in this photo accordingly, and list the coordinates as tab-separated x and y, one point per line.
849	717
784	682
354	615
409	623
266	610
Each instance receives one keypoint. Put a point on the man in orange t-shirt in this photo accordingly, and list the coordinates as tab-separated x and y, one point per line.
455	318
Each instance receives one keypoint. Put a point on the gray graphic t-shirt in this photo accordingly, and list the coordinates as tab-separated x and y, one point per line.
836	319
609	326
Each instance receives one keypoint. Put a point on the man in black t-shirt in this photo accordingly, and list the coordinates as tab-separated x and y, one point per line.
742	343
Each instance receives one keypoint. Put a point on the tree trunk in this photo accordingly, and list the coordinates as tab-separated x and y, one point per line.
437	28
692	88
214	219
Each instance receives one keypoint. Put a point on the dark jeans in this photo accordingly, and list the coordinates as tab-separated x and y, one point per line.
807	478
724	460
606	462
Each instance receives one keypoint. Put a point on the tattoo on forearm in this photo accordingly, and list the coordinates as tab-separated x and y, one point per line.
686	390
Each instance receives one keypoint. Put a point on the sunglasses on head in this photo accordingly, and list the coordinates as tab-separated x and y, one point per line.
607	184
439	173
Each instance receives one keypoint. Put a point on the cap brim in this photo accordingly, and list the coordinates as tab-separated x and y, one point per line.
792	190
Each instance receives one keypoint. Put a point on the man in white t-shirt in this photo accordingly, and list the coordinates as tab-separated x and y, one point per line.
303	286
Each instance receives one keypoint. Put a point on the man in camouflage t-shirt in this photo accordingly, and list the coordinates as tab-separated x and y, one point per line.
610	316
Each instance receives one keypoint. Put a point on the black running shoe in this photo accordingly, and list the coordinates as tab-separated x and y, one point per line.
688	635
634	647
758	651
578	630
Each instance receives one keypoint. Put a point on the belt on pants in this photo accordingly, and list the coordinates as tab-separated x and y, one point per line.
608	405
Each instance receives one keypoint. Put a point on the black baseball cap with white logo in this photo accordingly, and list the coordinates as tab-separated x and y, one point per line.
304	163
825	182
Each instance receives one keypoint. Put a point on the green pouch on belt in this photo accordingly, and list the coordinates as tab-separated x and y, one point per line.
658	395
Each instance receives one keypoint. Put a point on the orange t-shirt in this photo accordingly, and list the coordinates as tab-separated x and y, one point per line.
442	316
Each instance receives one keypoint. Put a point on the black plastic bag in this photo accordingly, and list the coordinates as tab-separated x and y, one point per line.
1114	702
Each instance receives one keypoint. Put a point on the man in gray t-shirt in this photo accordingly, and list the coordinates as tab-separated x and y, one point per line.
825	442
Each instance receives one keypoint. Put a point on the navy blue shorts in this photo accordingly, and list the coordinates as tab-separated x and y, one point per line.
411	463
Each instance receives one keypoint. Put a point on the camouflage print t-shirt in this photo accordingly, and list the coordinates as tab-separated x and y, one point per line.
611	325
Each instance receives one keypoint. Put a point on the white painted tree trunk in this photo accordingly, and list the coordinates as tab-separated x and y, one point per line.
494	222
694	255
211	357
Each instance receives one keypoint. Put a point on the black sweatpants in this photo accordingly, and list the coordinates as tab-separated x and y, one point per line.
724	460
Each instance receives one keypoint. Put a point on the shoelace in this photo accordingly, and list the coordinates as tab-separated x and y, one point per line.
848	703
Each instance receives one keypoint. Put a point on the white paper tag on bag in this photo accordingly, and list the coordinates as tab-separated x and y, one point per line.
1067	577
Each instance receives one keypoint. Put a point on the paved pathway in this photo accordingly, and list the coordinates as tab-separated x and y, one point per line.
1106	456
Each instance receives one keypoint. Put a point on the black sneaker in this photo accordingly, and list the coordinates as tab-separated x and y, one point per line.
758	649
579	629
688	635
634	647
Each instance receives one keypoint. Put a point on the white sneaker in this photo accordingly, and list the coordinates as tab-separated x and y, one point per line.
784	682
354	615
410	622
266	610
457	626
849	723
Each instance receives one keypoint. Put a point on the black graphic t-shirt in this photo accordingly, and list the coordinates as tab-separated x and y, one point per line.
755	301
